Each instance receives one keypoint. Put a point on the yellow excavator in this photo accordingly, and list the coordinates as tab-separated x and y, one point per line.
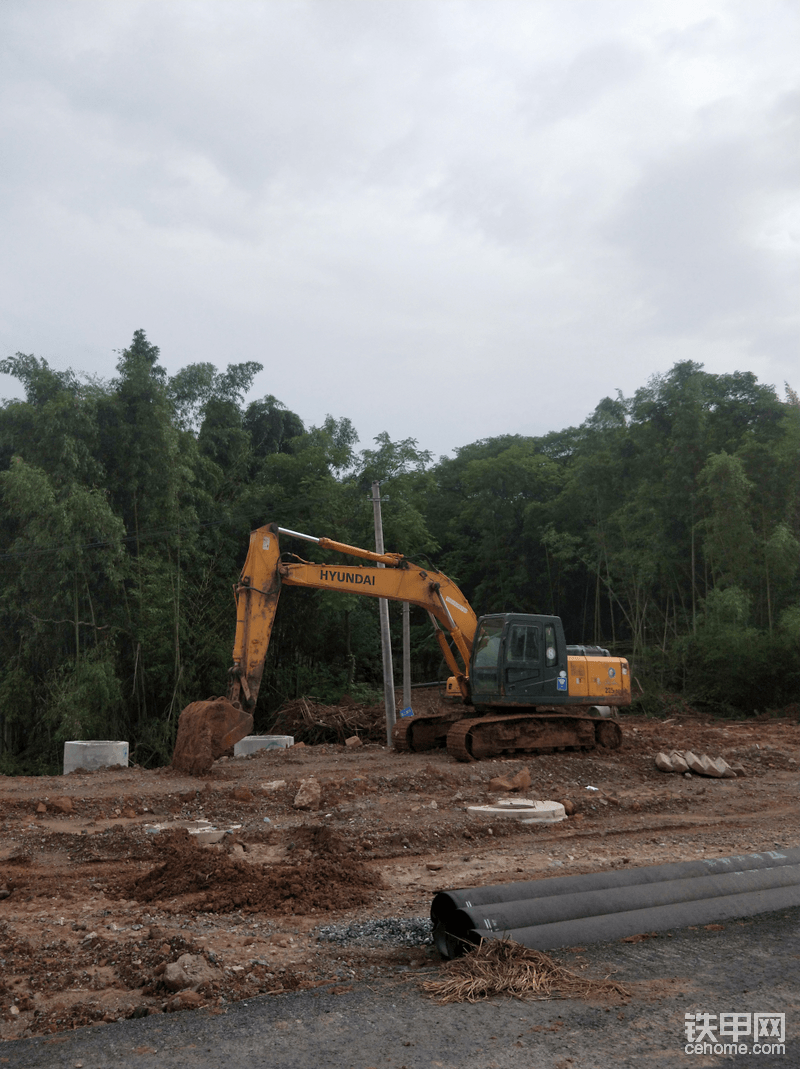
528	691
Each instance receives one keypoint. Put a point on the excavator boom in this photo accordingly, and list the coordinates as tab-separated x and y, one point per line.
393	577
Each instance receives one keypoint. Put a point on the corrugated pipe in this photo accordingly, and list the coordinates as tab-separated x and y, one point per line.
567	910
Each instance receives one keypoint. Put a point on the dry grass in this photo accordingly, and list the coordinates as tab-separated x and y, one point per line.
503	967
312	722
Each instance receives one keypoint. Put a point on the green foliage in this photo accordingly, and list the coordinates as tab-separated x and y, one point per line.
84	699
666	526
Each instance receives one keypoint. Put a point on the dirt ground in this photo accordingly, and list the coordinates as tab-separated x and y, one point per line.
97	904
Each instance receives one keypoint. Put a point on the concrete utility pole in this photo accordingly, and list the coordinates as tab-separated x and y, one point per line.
406	655
383	610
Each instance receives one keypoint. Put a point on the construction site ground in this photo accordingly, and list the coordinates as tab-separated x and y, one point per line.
102	888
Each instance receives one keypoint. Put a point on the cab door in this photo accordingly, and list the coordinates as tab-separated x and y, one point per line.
523	661
485	667
533	670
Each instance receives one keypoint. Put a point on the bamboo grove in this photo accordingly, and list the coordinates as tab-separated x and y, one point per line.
666	527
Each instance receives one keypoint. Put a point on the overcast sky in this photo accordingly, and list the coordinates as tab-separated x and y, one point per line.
445	220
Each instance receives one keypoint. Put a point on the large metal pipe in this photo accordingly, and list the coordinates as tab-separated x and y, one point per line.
657	918
546	905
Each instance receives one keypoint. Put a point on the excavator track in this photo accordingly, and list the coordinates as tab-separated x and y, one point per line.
415	734
512	733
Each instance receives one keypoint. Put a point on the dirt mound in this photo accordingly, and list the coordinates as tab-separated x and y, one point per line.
327	876
311	722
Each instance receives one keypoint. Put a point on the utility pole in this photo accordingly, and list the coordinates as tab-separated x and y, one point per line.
406	655
383	611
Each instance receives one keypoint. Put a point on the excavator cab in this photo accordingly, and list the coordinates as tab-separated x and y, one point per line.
518	659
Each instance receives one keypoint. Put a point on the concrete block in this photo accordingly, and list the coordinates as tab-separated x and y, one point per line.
254	743
95	754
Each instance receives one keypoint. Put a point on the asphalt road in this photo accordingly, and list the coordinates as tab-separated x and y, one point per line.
750	966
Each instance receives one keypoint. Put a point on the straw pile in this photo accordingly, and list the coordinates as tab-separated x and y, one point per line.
311	722
503	967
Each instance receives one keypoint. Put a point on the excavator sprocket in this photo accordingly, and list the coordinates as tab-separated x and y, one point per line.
512	733
427	731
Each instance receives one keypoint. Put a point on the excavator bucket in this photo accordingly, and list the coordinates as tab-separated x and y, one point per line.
205	731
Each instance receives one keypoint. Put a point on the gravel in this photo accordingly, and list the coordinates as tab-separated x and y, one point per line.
389	931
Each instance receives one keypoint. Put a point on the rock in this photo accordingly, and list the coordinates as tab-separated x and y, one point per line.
189	971
569	806
184	1000
129	814
273	785
434	866
41	808
520	782
716	767
309	795
694	762
242	794
205	731
62	805
298	746
678	761
686	761
708	768
174	978
353	741
196	968
739	769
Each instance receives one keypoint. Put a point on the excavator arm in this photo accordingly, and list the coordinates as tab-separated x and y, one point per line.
393	577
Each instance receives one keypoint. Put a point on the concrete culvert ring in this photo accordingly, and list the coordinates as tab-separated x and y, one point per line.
522	809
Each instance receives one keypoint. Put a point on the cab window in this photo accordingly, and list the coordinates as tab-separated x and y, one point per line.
488	644
486	655
551	650
522	644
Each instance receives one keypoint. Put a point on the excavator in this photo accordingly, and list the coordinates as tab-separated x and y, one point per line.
527	690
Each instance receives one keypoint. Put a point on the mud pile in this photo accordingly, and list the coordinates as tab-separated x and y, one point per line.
326	875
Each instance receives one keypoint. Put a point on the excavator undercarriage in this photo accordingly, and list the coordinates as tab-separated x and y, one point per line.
502	734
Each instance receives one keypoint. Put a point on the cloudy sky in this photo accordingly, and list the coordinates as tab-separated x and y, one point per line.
445	219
